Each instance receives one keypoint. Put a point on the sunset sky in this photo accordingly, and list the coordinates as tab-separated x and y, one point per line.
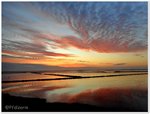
75	34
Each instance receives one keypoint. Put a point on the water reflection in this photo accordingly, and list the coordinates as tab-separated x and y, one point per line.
96	91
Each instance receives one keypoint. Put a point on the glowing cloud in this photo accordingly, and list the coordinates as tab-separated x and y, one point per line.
45	27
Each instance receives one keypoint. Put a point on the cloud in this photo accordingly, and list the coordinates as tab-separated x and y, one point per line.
104	27
120	64
113	45
102	45
81	61
35	49
139	55
103	31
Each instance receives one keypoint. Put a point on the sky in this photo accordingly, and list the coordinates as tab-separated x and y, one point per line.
75	34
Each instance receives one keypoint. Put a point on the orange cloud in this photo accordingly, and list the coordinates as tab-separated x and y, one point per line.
101	45
115	44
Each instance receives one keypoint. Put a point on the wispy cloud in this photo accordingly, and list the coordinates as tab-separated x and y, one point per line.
101	45
139	55
118	30
102	27
29	50
120	64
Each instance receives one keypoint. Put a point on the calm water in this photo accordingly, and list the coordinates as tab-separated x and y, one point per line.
96	91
